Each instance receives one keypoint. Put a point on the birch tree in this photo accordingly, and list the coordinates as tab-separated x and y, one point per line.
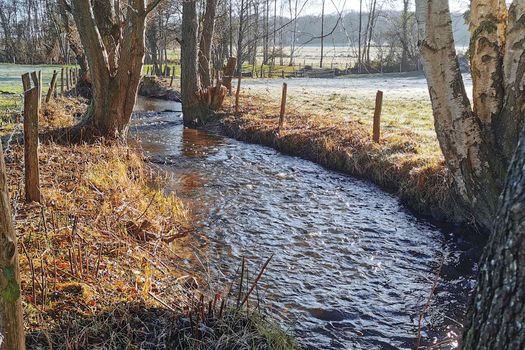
478	139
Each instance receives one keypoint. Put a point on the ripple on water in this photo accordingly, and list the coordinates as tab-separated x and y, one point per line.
352	269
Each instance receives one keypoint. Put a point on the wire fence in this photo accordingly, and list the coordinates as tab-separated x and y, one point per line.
11	111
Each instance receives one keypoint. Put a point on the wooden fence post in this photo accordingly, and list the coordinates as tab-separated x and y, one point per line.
36	77
26	82
283	106
377	116
75	74
32	177
10	301
282	74
39	90
237	93
67	79
51	86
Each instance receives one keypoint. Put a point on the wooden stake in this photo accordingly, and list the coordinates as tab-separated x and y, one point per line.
377	116
51	86
26	82
282	74
11	303
67	79
32	181
283	106
39	91
34	77
237	93
75	74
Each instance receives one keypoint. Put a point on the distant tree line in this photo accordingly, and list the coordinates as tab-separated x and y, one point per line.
256	31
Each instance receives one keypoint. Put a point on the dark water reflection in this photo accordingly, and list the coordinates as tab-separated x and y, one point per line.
352	268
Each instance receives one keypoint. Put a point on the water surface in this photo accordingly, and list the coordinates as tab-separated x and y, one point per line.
352	268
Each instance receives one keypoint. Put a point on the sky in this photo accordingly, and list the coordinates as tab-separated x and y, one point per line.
313	7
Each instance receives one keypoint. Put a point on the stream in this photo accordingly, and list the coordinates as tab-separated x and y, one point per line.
352	268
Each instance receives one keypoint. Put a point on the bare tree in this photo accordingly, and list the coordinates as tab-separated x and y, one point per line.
72	35
112	35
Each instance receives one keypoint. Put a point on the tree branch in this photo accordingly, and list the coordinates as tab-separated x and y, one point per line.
151	6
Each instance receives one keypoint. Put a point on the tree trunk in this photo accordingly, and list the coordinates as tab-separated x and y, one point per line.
294	16
371	28
496	317
404	37
266	45
471	139
359	36
194	112
11	322
322	34
72	36
509	123
115	55
205	42
240	56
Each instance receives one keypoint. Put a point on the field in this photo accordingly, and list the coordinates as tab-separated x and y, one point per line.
11	86
406	104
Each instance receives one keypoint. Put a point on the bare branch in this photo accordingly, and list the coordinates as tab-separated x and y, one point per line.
151	6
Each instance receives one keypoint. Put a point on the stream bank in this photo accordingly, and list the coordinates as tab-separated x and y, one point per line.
329	122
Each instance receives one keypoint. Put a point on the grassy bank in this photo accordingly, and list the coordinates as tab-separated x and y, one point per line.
106	258
336	132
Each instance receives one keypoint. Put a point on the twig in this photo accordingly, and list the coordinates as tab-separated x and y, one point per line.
240	283
32	267
427	305
257	280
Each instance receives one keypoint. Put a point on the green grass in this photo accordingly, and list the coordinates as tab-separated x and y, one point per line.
10	76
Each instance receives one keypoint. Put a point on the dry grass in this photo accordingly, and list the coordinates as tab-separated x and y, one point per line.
102	237
107	258
405	162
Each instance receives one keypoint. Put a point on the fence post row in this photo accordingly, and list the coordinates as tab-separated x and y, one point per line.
32	177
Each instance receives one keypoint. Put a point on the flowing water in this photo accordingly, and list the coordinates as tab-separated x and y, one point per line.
352	269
